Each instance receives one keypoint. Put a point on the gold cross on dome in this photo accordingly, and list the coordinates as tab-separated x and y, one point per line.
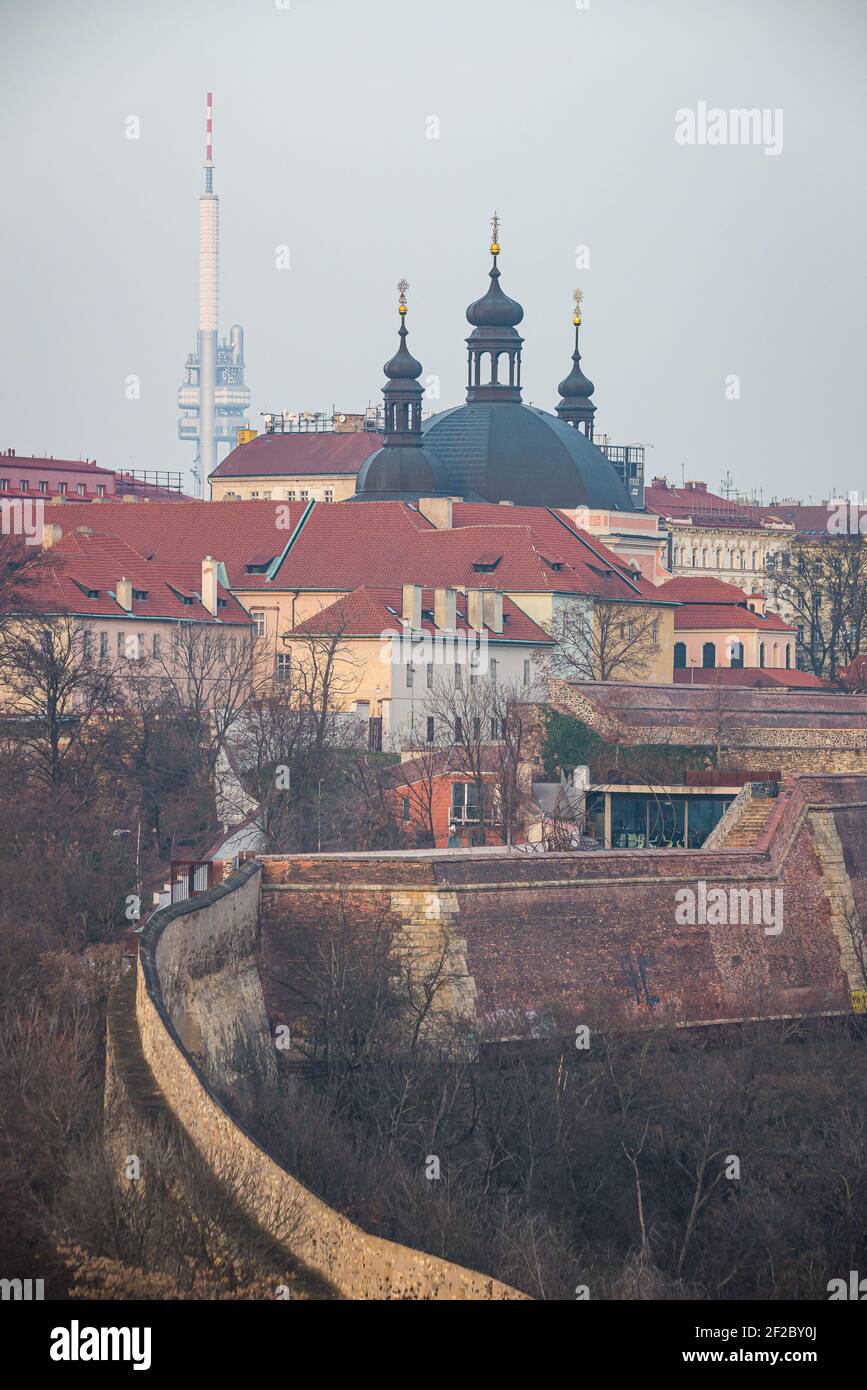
577	296
495	227
402	287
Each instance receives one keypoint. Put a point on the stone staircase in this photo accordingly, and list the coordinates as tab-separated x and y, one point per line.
750	823
746	818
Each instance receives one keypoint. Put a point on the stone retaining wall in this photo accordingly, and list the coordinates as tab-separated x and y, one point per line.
180	947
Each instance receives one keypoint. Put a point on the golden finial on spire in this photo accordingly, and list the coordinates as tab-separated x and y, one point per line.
402	287
495	234
577	296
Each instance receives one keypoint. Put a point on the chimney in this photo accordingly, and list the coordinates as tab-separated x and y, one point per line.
209	585
445	609
51	534
474	609
412	606
438	511
492	608
123	594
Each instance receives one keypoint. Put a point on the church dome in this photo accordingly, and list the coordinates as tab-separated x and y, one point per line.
506	451
495	309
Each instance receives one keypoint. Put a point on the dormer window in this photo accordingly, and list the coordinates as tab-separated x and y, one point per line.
486	564
140	594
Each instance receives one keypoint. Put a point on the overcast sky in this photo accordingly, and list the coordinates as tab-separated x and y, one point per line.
706	262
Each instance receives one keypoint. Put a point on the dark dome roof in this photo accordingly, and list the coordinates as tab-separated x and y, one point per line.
403	366
505	451
576	386
398	472
495	309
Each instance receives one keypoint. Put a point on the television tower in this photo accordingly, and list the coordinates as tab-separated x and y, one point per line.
214	398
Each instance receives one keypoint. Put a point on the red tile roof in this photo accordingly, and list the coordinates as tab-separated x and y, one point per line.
706	589
692	617
344	545
704	508
229	531
273	455
60	582
368	612
32	463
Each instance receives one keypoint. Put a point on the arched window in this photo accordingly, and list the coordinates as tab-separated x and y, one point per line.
704	559
708	654
761	653
679	656
719	559
788	656
737	655
694	558
755	559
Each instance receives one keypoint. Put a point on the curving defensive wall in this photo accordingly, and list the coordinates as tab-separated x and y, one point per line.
172	1041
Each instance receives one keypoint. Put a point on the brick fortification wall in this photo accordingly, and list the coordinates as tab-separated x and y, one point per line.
795	731
208	939
550	941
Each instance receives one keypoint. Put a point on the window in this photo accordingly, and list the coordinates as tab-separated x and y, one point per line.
493	727
155	645
303	494
679	656
79	488
526	670
140	594
43	486
465	801
266	496
329	494
121	643
761	653
87	643
409	675
23	485
254	494
4	484
429	670
459	676
493	670
103	646
404	811
737	657
708	654
61	488
258	618
100	489
788	656
290	495
477	728
431	729
459	728
176	644
283	667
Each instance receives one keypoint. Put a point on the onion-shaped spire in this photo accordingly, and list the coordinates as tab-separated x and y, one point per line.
575	406
495	309
494	346
403	366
